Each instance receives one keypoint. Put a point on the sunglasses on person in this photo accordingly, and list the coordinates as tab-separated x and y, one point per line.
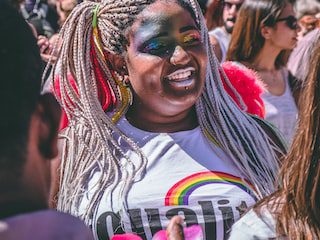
291	22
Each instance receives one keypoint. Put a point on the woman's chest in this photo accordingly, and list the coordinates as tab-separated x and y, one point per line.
201	185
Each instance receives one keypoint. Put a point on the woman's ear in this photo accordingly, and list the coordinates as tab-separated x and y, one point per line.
49	112
118	64
266	32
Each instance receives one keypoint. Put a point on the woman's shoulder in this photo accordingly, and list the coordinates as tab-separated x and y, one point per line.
260	221
254	225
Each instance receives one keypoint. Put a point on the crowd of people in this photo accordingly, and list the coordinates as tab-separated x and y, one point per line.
160	119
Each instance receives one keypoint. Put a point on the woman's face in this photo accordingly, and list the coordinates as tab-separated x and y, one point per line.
166	59
285	32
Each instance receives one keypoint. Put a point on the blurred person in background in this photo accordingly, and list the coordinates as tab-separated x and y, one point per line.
308	13
29	129
262	37
41	15
220	17
293	211
49	46
299	59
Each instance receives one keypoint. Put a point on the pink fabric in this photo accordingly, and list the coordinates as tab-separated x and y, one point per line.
128	236
190	233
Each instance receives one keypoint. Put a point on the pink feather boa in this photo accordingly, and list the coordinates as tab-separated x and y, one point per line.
248	85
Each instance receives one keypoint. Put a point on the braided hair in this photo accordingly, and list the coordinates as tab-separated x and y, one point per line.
90	36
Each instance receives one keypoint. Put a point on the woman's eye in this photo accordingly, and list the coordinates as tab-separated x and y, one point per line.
157	48
191	39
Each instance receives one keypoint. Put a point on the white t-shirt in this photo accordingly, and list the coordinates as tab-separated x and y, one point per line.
184	176
282	110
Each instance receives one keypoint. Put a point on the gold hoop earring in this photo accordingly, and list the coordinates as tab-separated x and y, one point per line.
125	97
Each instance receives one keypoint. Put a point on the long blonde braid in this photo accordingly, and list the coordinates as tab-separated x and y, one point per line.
90	141
240	136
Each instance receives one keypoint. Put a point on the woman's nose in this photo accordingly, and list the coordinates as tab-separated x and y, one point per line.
180	56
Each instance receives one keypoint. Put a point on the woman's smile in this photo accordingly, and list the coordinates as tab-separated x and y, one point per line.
182	78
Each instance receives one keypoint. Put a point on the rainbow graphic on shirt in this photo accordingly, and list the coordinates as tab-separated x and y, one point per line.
180	192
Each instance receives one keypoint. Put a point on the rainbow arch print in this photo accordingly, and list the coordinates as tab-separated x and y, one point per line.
180	192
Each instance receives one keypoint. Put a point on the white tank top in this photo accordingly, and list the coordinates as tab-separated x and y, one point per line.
282	110
223	39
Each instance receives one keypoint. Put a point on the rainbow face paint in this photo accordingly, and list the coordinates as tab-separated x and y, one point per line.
159	47
191	39
164	46
158	37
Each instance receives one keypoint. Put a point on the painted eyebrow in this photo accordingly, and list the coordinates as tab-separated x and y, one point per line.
187	28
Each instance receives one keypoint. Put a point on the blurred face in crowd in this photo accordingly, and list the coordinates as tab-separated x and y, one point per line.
230	12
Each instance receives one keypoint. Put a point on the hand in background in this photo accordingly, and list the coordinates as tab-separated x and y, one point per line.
46	50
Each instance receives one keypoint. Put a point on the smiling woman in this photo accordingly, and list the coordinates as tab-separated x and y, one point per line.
166	63
179	146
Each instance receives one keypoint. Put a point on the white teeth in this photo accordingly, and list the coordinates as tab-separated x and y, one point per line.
181	74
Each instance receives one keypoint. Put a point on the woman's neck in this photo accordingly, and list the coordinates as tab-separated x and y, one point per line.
266	58
152	122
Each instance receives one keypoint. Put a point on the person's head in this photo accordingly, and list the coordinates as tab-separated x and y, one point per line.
308	13
165	59
223	12
263	22
230	12
307	7
161	48
307	24
28	129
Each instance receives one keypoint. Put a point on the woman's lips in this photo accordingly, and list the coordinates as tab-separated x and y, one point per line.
181	74
182	77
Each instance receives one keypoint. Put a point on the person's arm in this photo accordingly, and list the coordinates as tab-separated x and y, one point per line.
216	47
55	181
